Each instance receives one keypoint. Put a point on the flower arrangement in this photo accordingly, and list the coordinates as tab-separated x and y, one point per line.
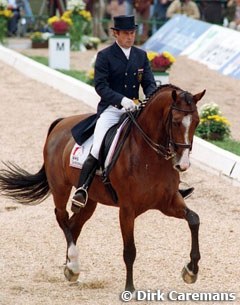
5	14
76	20
60	25
160	62
212	126
39	39
81	23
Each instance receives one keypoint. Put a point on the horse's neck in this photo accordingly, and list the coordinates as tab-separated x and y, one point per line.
153	117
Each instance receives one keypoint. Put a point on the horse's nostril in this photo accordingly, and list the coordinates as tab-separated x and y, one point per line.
177	167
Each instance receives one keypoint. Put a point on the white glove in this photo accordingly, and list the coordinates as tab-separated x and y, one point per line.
128	104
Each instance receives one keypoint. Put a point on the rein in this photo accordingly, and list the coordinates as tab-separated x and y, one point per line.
158	148
165	151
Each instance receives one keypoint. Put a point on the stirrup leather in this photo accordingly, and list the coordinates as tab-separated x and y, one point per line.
78	203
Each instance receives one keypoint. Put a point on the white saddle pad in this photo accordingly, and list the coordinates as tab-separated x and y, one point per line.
80	153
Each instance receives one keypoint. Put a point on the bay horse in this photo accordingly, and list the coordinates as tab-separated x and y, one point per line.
145	176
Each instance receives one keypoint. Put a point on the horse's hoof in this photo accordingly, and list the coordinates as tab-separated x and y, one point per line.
70	275
188	276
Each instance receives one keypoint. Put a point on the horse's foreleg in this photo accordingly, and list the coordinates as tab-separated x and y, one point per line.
129	250
190	271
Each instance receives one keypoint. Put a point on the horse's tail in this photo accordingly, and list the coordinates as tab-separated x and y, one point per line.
20	185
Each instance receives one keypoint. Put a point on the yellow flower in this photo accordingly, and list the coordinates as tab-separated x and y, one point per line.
6	13
53	19
169	56
67	14
151	55
91	74
218	118
67	20
85	14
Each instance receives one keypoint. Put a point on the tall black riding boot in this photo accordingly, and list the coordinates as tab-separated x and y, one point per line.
80	197
186	192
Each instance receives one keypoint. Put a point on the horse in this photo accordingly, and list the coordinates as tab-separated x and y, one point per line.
145	176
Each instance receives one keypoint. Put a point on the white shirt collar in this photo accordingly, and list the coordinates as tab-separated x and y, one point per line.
125	51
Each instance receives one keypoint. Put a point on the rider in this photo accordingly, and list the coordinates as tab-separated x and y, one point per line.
120	69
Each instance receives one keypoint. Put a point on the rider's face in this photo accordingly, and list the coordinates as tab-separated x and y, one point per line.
125	38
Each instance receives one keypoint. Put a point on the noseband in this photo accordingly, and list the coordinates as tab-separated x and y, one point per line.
168	151
170	137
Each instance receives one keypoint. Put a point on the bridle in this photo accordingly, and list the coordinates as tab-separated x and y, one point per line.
168	151
170	141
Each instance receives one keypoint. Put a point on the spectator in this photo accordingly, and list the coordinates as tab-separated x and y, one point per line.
14	6
142	10
97	10
129	7
159	11
233	16
115	8
211	11
230	11
28	11
56	5
185	7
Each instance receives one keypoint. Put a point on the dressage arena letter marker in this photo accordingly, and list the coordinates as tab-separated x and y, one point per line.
60	47
59	52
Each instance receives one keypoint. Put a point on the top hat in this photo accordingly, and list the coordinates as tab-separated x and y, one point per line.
124	23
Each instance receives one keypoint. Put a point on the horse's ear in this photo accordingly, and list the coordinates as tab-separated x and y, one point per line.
174	95
197	97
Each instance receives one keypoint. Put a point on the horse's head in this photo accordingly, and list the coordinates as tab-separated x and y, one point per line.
168	123
182	121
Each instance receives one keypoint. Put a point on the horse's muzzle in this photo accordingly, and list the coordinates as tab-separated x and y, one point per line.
183	163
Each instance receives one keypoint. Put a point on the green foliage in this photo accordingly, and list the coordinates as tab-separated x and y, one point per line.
229	145
212	126
80	75
40	59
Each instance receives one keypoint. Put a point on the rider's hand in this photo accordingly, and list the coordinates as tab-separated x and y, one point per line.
128	104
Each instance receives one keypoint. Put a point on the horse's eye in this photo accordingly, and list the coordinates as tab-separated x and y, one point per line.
176	123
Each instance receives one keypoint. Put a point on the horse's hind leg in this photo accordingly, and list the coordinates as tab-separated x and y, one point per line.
71	229
190	271
76	222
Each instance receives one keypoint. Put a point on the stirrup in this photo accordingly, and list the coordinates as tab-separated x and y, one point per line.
77	202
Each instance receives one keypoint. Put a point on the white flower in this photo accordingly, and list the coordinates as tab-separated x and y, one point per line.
46	35
76	5
3	3
210	109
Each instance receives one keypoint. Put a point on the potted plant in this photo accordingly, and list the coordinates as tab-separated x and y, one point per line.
39	40
160	64
5	14
212	126
81	23
60	25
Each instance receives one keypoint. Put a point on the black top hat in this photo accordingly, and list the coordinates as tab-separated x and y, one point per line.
124	23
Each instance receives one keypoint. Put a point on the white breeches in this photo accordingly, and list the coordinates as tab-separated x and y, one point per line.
107	119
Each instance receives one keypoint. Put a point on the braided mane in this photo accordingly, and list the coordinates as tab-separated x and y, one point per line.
159	88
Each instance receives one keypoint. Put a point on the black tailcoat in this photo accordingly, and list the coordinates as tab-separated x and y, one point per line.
116	76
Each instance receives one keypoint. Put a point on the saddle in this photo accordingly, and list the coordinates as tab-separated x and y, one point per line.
84	130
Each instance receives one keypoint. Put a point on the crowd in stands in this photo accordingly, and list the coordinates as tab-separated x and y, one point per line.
149	14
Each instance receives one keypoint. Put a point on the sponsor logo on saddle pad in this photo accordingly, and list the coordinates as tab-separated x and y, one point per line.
80	153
